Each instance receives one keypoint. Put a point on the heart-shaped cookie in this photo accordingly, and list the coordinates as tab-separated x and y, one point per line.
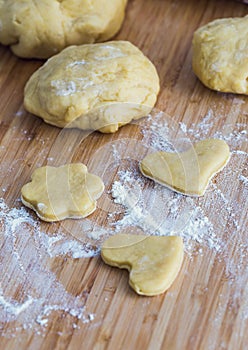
153	261
187	172
68	191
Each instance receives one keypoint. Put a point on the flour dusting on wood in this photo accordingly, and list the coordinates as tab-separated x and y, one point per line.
132	204
24	257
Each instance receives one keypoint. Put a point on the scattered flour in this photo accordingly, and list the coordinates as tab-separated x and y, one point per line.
134	204
14	308
168	214
244	179
147	207
157	210
24	255
64	88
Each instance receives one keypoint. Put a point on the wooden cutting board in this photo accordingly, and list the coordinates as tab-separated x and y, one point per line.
207	306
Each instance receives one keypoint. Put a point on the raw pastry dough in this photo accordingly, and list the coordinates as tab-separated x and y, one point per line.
188	172
43	28
220	55
96	86
153	262
68	191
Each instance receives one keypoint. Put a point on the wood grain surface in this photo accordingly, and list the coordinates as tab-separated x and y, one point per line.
200	311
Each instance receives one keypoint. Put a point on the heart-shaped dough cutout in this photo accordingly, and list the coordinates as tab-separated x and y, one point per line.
187	172
153	261
68	191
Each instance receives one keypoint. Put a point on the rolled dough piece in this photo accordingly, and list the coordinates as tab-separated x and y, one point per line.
220	55
43	28
68	191
95	86
154	262
188	172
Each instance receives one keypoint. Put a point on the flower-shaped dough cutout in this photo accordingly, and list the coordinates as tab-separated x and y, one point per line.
57	193
187	172
153	261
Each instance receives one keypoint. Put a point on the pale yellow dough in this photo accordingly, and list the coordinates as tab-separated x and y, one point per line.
43	28
154	262
220	55
68	191
187	172
96	86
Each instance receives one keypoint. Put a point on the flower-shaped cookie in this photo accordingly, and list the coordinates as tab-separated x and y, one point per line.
153	262
187	172
68	191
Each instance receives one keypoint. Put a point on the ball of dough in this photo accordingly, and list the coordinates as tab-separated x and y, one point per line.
94	86
220	55
43	28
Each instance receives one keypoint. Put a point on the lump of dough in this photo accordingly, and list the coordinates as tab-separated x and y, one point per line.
220	55
40	29
154	262
68	191
187	172
94	86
